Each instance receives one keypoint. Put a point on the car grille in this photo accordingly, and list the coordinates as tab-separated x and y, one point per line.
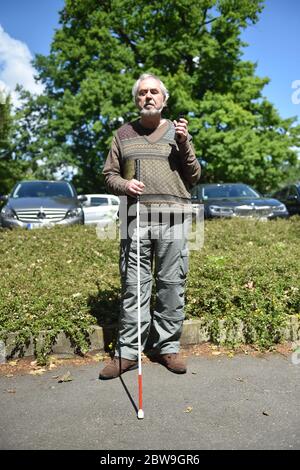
253	211
38	215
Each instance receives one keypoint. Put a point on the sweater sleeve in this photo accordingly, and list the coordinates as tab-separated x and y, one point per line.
191	169
112	171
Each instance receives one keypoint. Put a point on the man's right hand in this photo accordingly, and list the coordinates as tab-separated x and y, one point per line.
134	187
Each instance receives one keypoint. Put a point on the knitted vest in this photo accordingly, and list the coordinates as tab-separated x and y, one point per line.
160	164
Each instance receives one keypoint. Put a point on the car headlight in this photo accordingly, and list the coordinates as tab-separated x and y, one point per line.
74	212
280	208
221	210
8	213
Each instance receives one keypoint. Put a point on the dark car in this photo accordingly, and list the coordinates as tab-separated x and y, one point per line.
290	196
235	200
36	204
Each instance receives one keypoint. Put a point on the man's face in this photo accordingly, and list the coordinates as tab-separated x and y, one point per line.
150	99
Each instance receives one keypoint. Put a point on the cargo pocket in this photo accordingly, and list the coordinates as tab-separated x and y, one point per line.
184	263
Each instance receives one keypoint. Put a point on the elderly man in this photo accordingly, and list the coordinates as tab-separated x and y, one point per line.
169	169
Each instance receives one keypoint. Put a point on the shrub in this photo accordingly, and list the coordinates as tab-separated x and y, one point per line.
247	271
68	279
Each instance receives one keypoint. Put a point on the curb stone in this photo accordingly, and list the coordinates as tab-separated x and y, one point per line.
194	332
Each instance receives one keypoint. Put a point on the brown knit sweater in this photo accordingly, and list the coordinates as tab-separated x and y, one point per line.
168	169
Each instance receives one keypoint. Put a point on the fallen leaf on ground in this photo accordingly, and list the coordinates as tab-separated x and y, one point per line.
53	359
98	357
65	378
239	379
56	361
9	375
189	409
265	413
37	371
13	363
231	354
216	353
11	390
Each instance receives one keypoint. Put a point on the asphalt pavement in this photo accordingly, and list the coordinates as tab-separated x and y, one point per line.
240	402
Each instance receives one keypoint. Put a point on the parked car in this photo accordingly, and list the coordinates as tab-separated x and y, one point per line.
235	200
290	196
36	204
100	208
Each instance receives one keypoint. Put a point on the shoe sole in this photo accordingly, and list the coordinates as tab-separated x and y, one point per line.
103	377
175	371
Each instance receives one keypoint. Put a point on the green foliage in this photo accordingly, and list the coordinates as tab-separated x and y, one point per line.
68	279
56	280
246	143
195	46
247	271
11	168
5	120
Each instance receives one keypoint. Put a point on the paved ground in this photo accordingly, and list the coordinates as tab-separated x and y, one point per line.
242	402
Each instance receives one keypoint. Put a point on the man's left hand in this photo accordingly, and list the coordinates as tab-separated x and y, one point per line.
181	130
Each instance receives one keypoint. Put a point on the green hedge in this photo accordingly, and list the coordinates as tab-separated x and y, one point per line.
67	279
248	271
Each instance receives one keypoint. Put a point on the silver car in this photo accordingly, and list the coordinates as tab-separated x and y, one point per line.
37	204
100	208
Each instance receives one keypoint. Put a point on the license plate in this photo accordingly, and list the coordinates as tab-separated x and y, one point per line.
32	226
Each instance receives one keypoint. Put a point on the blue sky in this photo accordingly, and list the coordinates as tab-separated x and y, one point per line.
273	44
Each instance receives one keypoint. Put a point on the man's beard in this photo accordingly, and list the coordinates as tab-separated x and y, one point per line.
151	112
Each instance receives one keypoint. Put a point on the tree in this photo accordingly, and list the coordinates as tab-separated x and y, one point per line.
11	169
34	140
195	46
5	120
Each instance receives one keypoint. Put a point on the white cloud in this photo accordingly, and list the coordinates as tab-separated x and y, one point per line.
16	67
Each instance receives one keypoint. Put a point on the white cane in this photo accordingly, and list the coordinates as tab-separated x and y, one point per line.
140	414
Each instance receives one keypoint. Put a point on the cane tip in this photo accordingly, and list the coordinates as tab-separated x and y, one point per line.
140	414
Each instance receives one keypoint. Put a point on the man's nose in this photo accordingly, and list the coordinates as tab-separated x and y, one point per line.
149	94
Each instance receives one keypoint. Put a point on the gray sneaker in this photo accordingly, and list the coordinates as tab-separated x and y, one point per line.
116	367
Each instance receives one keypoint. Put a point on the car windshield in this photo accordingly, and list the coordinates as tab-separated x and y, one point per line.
222	191
99	201
43	189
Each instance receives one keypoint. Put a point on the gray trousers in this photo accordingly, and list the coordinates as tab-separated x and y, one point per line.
165	247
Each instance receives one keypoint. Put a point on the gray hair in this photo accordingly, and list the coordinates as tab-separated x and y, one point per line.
143	77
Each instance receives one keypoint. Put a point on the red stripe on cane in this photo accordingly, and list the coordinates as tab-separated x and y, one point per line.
140	392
